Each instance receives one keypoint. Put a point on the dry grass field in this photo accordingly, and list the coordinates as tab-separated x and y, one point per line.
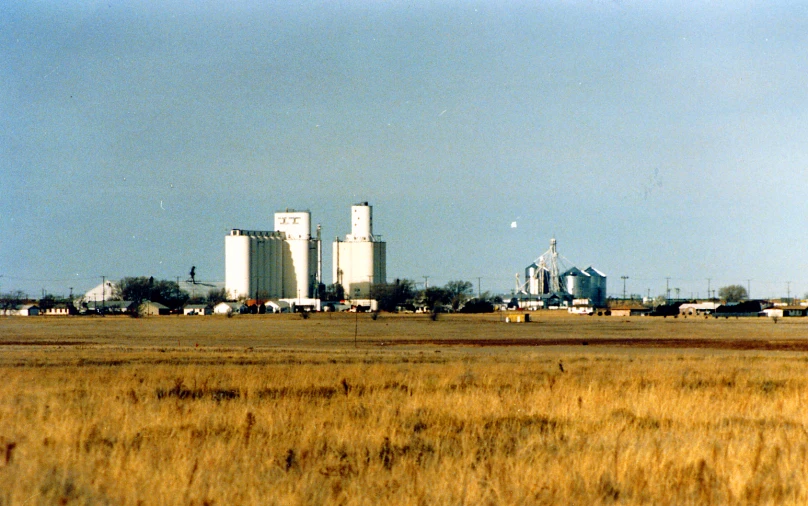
344	409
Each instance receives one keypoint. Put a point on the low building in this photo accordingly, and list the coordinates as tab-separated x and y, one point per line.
197	309
226	308
149	308
630	311
277	306
785	311
745	308
111	307
697	308
20	310
60	310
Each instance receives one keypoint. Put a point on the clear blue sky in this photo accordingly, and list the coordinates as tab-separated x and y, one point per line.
652	139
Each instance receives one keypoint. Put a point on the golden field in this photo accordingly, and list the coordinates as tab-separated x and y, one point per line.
344	409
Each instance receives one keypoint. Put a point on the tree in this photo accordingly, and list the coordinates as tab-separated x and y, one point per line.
47	302
334	293
391	295
433	296
459	292
138	289
216	296
732	293
477	306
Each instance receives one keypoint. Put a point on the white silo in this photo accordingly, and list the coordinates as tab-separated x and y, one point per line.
237	264
360	261
253	264
296	225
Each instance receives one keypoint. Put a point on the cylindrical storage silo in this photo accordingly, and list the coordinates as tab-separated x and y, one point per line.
572	283
237	264
296	269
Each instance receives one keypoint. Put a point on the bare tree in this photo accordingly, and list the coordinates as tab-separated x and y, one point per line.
732	293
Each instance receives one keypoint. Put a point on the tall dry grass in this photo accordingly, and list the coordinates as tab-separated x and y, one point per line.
431	426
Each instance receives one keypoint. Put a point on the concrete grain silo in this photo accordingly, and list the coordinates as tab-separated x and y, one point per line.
361	259
279	264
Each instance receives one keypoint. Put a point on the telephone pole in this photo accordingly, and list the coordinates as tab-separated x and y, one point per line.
624	278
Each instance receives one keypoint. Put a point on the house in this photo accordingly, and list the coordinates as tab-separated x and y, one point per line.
581	306
149	308
226	308
785	311
197	309
20	310
697	308
60	310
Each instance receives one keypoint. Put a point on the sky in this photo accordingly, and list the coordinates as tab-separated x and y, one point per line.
663	141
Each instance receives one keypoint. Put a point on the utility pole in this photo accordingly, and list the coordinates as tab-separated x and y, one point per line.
708	287
788	291
426	282
749	289
479	293
624	278
667	290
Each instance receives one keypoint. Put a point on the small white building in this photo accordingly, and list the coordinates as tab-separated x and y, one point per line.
277	306
196	309
226	308
784	311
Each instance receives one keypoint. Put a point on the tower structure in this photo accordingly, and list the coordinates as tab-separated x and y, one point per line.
280	264
545	277
360	260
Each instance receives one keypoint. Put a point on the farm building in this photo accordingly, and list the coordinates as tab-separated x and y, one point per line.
544	277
